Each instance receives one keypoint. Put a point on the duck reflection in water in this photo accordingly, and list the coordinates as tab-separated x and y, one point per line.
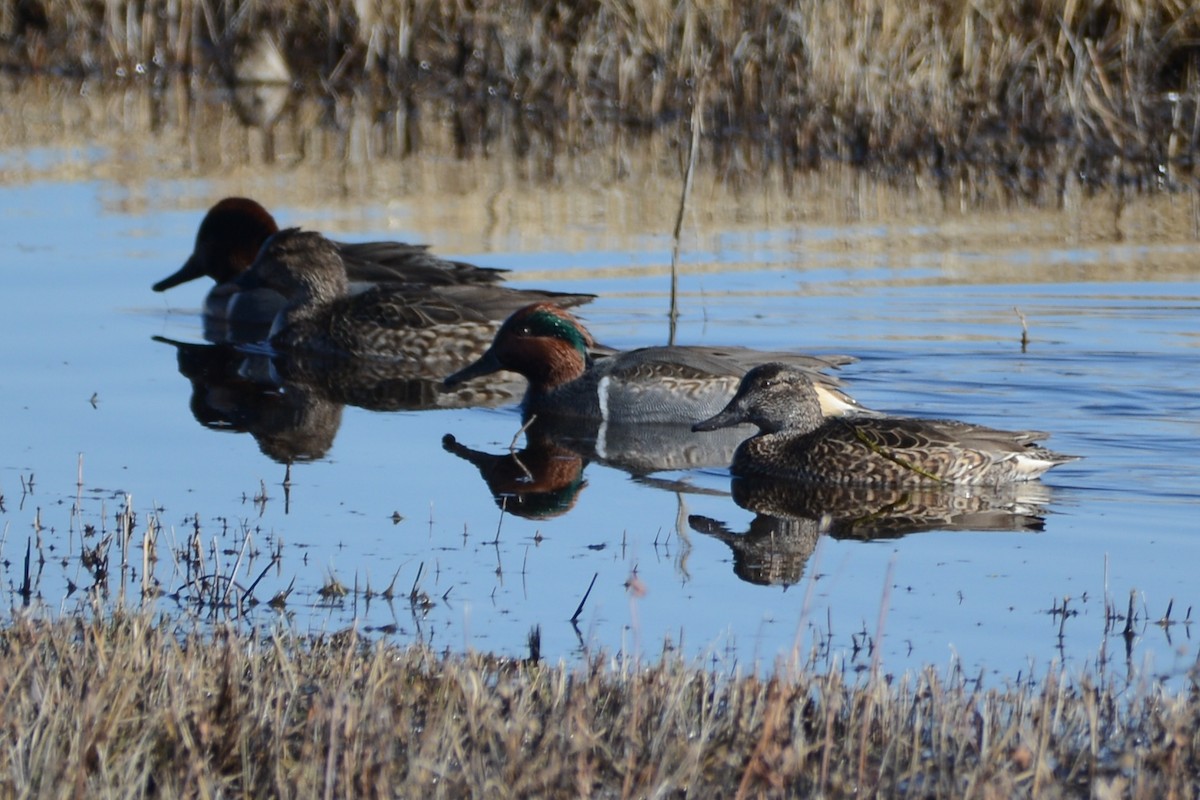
791	517
541	481
631	410
557	450
228	394
293	406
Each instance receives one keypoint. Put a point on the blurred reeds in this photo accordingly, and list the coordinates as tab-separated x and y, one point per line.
133	707
340	165
1107	87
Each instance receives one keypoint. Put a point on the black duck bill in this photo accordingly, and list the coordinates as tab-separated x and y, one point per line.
487	363
191	269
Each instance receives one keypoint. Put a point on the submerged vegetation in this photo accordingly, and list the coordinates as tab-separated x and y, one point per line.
1034	92
132	707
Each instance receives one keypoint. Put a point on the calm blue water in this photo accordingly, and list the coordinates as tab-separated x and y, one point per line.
1113	370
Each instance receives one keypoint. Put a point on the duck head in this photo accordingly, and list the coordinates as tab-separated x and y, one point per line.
773	397
302	266
229	238
541	341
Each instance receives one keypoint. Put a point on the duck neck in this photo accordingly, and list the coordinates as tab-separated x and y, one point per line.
561	366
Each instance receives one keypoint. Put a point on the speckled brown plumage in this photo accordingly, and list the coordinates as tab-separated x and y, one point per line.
797	442
438	327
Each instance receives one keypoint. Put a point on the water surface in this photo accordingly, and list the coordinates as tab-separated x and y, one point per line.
929	294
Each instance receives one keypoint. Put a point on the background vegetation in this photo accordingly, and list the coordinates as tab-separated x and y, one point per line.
1047	97
1106	89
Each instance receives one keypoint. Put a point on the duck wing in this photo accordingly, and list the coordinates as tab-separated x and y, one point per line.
392	262
499	302
394	309
945	450
747	358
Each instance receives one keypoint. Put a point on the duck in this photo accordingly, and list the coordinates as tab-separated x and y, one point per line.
235	229
797	442
541	481
435	328
569	375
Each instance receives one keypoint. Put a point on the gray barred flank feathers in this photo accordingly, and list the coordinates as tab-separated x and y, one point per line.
570	376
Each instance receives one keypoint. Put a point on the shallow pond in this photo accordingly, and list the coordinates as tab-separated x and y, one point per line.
927	290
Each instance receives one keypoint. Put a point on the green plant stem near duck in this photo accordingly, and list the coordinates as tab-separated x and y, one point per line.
436	328
795	441
569	377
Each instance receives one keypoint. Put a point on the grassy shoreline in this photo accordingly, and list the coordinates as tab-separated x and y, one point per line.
1033	92
134	706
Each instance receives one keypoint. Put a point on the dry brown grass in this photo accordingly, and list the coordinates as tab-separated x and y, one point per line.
131	707
1016	87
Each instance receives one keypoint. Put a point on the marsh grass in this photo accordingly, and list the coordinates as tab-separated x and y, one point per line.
132	706
1034	91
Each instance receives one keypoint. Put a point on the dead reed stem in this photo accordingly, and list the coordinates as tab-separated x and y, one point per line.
1001	84
137	704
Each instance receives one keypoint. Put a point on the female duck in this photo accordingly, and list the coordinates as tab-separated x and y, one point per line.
795	442
435	327
234	230
556	354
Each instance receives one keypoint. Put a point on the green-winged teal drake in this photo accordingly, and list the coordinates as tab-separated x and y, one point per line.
235	229
796	442
677	384
435	327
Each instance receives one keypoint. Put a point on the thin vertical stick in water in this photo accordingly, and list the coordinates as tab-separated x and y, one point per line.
579	608
687	188
1024	329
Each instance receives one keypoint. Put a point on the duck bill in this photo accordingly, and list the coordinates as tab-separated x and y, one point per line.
190	270
726	418
485	365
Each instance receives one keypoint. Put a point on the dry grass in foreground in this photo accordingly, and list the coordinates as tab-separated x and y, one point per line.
132	707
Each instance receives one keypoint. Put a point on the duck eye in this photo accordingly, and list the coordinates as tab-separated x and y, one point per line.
525	330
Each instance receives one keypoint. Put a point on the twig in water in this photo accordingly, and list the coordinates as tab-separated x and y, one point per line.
683	197
279	601
579	610
1129	634
412	595
249	593
534	641
1024	330
390	591
26	590
524	427
287	489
